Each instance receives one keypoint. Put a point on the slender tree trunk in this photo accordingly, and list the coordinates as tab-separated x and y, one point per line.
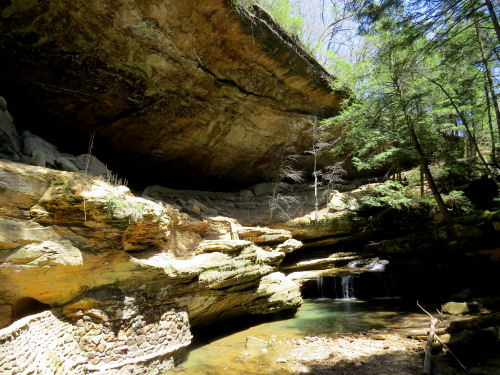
490	125
422	182
467	153
428	175
493	18
467	129
489	77
473	139
275	182
316	204
445	215
273	203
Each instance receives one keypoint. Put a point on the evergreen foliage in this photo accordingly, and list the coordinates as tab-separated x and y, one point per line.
391	194
426	93
422	89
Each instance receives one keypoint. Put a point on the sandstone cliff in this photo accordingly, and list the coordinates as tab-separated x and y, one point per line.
120	279
192	93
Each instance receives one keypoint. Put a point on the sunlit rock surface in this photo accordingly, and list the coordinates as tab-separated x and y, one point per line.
122	278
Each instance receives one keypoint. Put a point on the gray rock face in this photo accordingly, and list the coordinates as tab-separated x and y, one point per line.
10	146
95	166
32	149
44	154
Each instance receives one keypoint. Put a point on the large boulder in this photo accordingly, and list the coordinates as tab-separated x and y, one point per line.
45	154
455	308
91	165
349	200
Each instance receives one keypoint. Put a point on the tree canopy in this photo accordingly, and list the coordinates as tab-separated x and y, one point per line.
422	78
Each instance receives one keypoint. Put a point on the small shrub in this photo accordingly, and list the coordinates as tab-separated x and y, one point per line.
210	276
119	206
496	200
390	194
457	173
111	179
458	203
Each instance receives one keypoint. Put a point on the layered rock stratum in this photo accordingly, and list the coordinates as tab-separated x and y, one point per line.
194	93
120	280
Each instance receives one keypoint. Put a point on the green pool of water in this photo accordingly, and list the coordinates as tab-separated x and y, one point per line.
229	355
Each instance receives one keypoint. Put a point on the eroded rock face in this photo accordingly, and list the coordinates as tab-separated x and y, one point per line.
194	93
123	278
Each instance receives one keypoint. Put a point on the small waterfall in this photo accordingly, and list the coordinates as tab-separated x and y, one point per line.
320	285
347	283
367	275
353	264
347	288
376	265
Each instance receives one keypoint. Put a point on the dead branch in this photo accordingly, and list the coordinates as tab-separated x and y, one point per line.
482	321
452	354
430	339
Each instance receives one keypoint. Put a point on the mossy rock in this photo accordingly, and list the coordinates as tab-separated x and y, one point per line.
455	308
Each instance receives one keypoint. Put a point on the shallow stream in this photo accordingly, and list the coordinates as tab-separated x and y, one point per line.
232	355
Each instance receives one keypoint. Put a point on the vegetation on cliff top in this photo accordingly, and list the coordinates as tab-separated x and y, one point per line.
422	78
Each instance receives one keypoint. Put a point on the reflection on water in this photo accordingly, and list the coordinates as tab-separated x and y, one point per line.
325	317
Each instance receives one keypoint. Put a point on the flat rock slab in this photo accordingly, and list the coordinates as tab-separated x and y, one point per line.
222	246
264	235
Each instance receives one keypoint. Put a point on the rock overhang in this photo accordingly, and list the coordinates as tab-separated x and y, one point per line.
178	93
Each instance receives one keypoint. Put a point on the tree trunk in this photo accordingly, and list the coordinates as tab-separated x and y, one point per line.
422	182
445	215
273	202
316	204
489	77
425	168
468	154
493	18
276	181
490	125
